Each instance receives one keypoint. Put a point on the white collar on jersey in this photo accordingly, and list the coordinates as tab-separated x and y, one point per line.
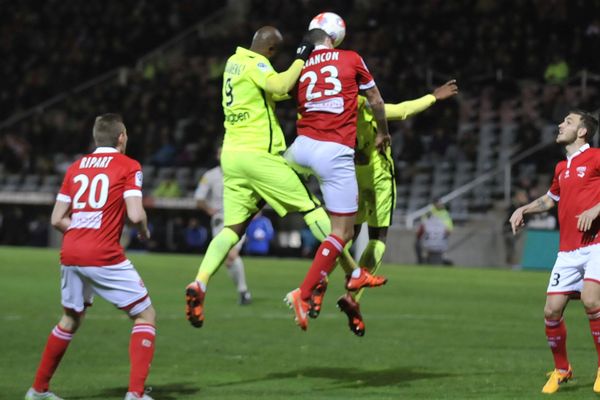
105	150
321	47
578	152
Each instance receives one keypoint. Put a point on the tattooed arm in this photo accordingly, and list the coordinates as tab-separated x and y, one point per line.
541	204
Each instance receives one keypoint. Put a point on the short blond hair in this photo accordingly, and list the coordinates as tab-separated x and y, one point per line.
107	129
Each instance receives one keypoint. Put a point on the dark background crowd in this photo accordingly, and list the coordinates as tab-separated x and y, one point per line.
517	63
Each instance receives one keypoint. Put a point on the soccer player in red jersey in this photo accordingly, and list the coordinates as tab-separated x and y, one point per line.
98	191
327	103
576	272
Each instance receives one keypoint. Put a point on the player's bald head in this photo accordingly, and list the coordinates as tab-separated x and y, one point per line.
107	129
266	40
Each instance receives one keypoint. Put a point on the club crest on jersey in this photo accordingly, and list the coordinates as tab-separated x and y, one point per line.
581	171
262	66
139	178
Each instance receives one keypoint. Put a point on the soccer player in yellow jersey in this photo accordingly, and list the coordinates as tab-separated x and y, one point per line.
254	172
377	190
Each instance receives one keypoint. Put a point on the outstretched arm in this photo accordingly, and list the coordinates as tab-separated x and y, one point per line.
409	108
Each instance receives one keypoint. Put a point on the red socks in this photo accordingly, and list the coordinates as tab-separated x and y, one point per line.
556	332
322	264
141	351
56	346
594	317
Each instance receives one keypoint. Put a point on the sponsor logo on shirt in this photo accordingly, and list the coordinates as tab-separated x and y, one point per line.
233	118
581	171
334	105
86	220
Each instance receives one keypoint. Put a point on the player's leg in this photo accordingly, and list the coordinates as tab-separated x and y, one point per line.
590	297
240	203
372	256
141	351
236	270
76	295
122	286
566	280
556	334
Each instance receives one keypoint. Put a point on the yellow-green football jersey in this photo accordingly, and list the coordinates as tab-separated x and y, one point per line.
250	120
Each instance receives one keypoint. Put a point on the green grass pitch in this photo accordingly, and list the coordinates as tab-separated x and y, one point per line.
432	333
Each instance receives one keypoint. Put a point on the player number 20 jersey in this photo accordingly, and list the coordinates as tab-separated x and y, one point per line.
96	186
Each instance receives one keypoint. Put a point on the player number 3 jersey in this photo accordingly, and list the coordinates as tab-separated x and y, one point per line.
96	186
327	95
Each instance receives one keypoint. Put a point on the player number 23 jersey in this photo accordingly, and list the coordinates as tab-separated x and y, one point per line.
327	92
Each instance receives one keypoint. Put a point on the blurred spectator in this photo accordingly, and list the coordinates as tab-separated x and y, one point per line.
167	188
557	72
196	235
259	235
432	236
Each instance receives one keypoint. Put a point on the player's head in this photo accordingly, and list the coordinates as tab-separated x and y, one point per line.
266	41
109	131
318	36
577	125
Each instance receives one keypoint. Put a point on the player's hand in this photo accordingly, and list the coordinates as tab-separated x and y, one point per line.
304	48
144	234
586	218
517	221
382	142
447	90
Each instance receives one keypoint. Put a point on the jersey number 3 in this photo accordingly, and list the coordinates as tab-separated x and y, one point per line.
97	194
330	75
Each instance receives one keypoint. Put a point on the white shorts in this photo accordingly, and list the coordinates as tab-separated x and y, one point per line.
333	165
217	223
120	285
572	268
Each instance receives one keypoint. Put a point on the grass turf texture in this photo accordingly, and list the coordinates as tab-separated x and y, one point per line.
432	333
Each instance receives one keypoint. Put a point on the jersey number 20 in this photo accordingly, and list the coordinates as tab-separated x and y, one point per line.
98	191
330	74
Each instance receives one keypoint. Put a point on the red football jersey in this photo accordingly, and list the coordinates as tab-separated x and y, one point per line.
576	187
96	186
327	95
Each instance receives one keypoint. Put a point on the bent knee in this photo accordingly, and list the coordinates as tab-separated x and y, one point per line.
590	303
553	312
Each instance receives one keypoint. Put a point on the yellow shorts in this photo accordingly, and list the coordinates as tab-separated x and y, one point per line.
376	191
252	178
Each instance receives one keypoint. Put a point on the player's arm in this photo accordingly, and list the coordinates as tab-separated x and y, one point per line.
382	140
203	205
201	196
586	218
406	109
137	215
541	204
281	83
61	216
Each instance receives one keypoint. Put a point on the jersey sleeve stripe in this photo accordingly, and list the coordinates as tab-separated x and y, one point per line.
63	197
553	196
367	85
132	193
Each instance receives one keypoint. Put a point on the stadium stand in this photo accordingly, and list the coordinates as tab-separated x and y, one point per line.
171	99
